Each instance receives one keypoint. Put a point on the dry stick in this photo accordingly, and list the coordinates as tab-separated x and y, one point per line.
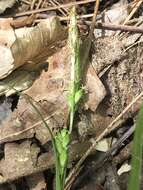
115	147
99	25
53	8
135	20
43	4
119	27
94	16
37	7
109	129
39	4
62	10
134	44
133	11
73	178
26	2
88	40
78	17
65	18
131	14
91	15
32	4
55	3
66	11
138	23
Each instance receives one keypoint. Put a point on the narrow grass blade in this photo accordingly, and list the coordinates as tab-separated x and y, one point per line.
135	176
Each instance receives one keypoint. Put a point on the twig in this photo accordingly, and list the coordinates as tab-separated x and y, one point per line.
55	3
87	42
94	16
119	27
78	16
26	2
53	8
116	146
32	4
73	178
43	4
109	129
91	15
39	4
131	14
138	23
99	25
134	44
66	18
133	11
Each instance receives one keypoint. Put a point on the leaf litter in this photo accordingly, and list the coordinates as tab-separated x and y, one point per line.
48	86
49	91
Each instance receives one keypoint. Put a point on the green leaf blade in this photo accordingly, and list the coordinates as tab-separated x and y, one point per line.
135	176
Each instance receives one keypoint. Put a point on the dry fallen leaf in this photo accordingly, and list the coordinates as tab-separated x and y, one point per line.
28	45
103	145
124	168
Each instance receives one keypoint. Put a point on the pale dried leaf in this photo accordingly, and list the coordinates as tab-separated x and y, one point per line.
124	168
30	45
7	59
103	145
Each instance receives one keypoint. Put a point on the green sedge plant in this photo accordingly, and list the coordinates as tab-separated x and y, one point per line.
61	140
